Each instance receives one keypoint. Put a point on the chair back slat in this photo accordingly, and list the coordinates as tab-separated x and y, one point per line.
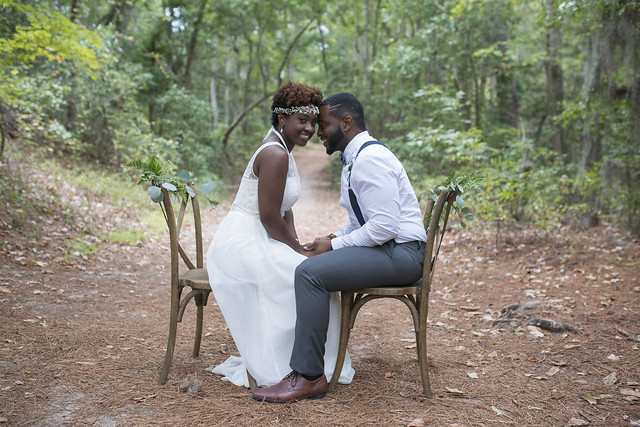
197	224
435	233
169	215
175	227
183	209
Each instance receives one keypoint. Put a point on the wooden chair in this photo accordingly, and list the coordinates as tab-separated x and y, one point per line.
195	276
414	295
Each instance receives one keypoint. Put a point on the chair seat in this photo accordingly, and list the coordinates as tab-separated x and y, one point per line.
197	278
392	290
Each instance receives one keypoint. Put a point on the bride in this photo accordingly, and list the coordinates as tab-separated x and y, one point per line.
255	251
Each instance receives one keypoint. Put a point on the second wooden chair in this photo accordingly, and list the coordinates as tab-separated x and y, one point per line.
414	295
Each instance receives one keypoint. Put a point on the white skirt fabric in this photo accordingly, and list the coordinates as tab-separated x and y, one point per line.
251	276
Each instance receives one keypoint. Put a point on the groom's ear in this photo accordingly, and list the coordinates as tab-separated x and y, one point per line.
347	123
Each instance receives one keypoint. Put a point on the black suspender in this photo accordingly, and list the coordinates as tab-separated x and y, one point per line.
352	196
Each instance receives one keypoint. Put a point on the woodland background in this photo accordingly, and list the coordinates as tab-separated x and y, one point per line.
542	97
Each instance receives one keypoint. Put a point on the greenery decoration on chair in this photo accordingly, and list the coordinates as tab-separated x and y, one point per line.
160	173
458	182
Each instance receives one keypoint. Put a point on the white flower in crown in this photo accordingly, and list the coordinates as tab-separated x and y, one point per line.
304	109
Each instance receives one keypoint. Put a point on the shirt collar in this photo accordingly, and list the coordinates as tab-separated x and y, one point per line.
354	145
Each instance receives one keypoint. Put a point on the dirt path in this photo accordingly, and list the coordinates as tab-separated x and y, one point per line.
82	340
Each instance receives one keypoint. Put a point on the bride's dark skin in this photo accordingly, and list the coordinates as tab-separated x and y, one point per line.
271	167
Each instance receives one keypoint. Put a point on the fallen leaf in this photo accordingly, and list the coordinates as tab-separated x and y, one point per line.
5	290
560	363
535	331
553	370
613	357
629	392
454	391
535	376
610	379
497	411
472	375
577	422
143	398
418	422
592	400
388	374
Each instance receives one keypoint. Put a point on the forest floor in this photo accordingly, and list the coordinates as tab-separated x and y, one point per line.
83	338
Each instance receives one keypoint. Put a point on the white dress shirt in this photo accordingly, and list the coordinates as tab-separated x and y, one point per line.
386	198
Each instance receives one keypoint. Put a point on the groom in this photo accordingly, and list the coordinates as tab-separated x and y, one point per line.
382	244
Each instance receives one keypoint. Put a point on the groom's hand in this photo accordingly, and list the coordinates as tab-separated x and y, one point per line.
319	246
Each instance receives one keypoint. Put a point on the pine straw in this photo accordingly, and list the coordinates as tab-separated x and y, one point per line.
91	355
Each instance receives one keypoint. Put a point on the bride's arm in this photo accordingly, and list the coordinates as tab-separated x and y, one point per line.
271	167
288	219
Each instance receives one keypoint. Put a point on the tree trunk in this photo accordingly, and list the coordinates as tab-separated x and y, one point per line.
592	89
193	41
212	91
506	88
553	72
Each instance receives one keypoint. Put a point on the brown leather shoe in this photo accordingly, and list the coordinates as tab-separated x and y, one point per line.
292	388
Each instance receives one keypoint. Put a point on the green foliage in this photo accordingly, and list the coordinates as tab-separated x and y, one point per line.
460	183
48	35
80	248
454	84
160	173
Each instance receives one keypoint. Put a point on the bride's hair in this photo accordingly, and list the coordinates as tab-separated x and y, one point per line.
294	95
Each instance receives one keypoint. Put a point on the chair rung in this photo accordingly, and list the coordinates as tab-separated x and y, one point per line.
391	290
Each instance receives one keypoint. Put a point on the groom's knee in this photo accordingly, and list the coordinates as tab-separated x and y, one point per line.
306	275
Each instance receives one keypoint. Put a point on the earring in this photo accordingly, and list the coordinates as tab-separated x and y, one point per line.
281	128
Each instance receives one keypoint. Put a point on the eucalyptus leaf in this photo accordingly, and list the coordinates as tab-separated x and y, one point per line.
169	186
207	188
190	191
461	202
184	175
155	193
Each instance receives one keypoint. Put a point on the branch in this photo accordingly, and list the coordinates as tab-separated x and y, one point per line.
289	49
239	118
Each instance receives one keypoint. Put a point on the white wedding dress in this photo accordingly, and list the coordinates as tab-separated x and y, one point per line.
251	275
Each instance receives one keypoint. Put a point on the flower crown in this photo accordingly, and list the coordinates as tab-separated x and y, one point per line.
304	109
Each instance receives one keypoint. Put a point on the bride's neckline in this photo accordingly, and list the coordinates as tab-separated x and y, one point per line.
279	137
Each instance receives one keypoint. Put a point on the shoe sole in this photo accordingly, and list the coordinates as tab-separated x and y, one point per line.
311	397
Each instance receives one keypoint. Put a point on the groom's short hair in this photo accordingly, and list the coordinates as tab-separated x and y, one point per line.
343	104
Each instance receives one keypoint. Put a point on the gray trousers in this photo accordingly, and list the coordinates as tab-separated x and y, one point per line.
343	269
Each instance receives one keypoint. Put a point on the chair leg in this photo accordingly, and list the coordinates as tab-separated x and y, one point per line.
346	299
171	342
421	338
253	385
198	337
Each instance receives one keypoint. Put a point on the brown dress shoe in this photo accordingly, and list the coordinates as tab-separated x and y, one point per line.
292	388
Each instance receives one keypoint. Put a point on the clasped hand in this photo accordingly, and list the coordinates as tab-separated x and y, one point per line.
319	246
